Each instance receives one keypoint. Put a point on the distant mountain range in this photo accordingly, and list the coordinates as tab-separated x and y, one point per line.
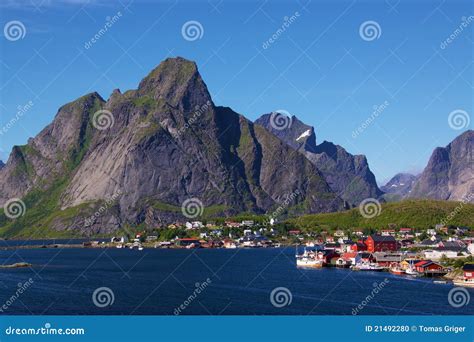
449	175
138	158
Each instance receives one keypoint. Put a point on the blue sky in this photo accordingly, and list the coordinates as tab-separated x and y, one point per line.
319	67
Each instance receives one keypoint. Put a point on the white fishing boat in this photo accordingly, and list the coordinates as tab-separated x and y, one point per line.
309	262
367	266
308	259
411	271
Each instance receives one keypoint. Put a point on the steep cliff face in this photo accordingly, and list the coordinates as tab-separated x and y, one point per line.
449	174
54	151
347	175
398	186
141	154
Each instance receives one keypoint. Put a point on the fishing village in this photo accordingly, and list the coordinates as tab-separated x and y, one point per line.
444	253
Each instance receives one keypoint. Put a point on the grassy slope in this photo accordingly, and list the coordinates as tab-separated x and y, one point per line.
419	214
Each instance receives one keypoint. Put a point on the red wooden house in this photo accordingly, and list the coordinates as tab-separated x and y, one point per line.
379	243
427	266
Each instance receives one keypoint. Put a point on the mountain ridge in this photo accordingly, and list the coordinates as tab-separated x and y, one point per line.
151	149
348	175
449	174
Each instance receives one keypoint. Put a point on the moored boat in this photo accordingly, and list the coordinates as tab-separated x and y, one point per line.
308	259
309	262
411	271
367	267
397	270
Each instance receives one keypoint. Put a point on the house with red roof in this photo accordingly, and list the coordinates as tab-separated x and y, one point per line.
428	266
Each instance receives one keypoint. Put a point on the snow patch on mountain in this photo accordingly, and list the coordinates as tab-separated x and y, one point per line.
306	133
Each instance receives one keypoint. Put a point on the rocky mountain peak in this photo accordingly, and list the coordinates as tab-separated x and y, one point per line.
348	175
177	82
294	132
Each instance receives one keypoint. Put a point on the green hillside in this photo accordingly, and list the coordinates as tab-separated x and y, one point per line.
420	214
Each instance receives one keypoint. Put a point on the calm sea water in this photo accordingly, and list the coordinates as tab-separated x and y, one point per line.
155	281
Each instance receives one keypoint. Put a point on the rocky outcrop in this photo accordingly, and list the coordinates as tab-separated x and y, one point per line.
348	175
449	174
137	157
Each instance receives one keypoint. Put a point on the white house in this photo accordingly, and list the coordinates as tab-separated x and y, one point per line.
438	254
